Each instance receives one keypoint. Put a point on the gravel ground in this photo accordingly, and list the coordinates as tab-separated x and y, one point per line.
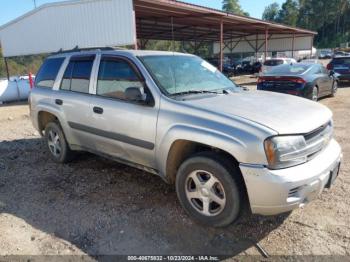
96	206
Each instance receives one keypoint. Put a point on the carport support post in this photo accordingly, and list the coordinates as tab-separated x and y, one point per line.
135	30
266	42
312	45
221	44
7	69
293	42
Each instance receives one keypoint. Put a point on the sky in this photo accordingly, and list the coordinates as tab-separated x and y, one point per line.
10	9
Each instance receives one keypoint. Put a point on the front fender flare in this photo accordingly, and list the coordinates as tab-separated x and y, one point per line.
229	144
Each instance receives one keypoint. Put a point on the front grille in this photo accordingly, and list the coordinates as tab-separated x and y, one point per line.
318	139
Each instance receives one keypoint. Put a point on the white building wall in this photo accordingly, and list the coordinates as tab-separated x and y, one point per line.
277	43
86	23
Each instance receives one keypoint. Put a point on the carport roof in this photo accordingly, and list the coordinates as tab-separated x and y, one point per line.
168	19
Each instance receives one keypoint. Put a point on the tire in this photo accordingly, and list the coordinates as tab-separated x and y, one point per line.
57	144
314	94
334	89
209	190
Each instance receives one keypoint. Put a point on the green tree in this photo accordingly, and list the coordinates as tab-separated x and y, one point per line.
233	6
271	12
289	13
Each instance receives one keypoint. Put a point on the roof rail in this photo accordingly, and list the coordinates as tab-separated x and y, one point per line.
77	49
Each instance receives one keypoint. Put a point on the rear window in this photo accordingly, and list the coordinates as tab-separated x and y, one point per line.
273	62
341	61
295	69
48	72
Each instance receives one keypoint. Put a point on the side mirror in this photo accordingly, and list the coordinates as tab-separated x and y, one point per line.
136	94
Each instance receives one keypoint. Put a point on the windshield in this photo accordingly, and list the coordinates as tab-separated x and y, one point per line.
290	69
176	74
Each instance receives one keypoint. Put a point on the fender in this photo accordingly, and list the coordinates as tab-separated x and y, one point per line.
56	111
214	138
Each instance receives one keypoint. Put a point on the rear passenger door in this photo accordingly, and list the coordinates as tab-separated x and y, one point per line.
123	129
73	98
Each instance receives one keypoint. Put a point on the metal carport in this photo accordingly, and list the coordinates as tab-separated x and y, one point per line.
99	23
175	20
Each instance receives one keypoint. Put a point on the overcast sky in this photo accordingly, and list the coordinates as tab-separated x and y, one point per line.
10	9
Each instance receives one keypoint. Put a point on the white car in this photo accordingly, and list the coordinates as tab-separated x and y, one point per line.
270	63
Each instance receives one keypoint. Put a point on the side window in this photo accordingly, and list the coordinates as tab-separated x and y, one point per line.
66	80
76	78
316	69
48	72
114	77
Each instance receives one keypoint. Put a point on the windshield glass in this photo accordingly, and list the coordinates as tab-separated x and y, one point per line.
177	74
290	69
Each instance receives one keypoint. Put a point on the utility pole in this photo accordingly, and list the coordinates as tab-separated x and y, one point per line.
34	3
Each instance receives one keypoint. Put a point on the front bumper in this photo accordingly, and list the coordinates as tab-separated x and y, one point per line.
273	192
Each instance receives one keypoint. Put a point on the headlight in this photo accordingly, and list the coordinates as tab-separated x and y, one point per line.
285	151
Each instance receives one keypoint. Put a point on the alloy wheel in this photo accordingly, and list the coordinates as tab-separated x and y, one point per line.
314	94
205	193
54	143
335	87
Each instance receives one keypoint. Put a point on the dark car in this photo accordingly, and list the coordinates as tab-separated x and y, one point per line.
256	67
340	65
325	54
340	54
311	81
227	69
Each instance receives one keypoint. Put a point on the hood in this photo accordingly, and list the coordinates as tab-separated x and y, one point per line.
285	114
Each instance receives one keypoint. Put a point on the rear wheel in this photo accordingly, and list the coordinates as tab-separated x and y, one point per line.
57	144
314	94
208	191
334	88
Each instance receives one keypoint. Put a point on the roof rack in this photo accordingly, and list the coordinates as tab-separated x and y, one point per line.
77	49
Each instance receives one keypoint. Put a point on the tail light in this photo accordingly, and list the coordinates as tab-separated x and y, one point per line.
330	66
284	79
298	80
260	80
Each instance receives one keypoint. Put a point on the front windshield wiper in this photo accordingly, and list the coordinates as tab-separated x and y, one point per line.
190	92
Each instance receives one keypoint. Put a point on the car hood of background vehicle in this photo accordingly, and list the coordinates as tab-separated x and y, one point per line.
286	114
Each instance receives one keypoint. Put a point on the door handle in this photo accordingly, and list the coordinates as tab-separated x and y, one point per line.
59	102
98	110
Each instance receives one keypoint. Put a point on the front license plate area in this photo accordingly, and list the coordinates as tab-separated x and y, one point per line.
333	176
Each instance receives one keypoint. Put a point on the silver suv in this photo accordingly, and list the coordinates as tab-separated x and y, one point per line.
176	116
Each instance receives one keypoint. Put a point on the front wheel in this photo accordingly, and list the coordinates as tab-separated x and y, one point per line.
208	191
334	89
314	94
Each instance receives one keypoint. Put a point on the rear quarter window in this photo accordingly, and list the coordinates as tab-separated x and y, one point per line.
48	72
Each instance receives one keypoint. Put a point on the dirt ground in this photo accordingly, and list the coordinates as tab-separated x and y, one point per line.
95	206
